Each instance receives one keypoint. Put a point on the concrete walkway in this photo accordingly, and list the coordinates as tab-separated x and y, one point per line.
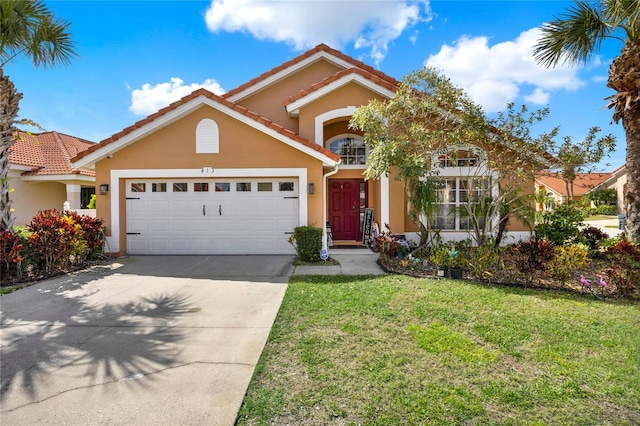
353	261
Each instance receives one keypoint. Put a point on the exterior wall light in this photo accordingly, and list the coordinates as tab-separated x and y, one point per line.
310	188
104	189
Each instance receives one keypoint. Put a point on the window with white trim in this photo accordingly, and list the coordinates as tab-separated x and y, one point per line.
452	194
463	182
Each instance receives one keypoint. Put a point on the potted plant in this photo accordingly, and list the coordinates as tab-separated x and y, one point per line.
439	257
455	262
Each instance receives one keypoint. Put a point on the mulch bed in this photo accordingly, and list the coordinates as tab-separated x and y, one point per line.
505	278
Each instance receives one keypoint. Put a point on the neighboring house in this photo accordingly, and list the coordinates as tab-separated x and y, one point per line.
42	177
235	174
556	189
618	181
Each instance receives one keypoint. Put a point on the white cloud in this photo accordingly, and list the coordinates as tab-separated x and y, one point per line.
492	75
149	99
306	23
538	96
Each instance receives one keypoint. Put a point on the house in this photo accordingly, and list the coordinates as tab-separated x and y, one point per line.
617	180
235	174
42	177
556	190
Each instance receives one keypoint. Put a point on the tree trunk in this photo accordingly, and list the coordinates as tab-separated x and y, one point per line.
624	78
9	106
631	124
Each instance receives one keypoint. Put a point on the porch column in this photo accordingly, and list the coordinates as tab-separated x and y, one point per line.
73	195
384	201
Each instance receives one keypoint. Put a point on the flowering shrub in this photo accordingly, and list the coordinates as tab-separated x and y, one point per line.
566	261
10	259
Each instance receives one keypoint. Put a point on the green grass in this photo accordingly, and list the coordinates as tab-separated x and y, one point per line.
7	290
600	217
395	350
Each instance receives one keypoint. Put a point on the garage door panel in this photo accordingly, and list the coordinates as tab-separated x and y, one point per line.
159	245
238	222
266	224
159	225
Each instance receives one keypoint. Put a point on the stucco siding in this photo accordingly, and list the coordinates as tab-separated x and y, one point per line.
30	197
269	102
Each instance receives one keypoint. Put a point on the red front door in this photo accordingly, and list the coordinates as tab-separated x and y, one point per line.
345	201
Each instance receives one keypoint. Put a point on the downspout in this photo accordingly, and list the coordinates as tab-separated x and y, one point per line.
325	177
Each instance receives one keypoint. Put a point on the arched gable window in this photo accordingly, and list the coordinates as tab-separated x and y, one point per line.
351	150
207	137
460	158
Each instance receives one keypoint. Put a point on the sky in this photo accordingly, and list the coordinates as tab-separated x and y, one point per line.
135	57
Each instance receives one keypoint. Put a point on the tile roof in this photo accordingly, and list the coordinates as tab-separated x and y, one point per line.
237	108
583	183
387	83
302	57
48	153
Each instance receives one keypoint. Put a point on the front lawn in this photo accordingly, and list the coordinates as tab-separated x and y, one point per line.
400	350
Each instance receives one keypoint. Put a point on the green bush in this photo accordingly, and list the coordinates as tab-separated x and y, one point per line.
92	202
560	226
566	261
607	210
308	243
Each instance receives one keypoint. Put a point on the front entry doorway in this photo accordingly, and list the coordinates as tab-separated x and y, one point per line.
347	201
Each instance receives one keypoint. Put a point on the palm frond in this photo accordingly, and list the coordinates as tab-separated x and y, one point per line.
28	28
574	37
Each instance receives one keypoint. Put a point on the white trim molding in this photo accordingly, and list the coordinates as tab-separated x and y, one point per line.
117	175
293	109
330	115
384	201
274	78
182	111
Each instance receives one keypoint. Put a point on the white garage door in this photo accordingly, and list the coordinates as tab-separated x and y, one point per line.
211	216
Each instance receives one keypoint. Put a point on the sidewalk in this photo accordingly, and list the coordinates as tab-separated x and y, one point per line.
603	223
353	261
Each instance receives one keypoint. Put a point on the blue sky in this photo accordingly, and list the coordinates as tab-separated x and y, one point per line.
136	57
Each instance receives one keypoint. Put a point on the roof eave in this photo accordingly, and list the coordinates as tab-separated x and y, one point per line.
293	109
164	120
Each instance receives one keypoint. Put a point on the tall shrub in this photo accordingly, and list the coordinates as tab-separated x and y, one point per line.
308	243
53	238
562	225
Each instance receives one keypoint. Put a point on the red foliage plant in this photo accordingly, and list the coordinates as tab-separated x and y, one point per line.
531	256
53	237
10	248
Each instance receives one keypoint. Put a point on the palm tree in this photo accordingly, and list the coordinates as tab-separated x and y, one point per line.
575	38
27	28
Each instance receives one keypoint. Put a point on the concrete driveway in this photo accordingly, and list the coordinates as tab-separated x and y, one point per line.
145	340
